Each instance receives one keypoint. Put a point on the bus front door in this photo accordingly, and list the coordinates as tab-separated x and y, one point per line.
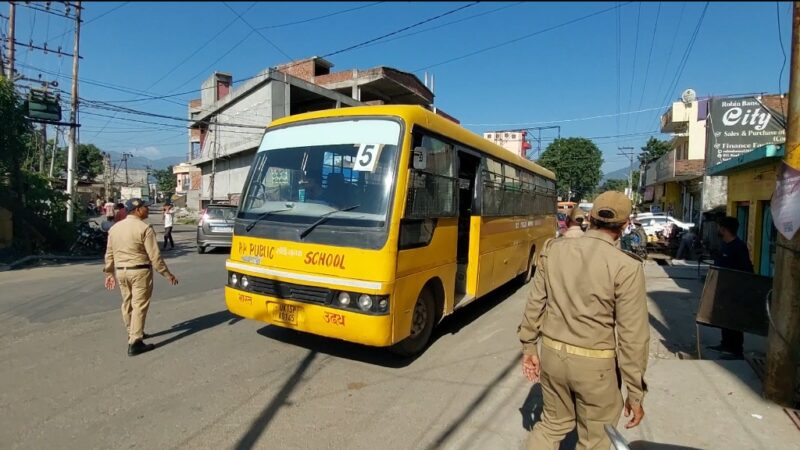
467	177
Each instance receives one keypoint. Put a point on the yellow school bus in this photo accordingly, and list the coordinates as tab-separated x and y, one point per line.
370	224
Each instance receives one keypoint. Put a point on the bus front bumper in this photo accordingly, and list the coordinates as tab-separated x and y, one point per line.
367	329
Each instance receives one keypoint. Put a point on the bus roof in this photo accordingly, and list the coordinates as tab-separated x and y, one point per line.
424	117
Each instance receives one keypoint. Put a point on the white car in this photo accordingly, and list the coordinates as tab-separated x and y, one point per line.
657	223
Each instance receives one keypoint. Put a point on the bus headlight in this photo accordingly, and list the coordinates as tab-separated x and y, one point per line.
245	282
234	279
365	302
383	305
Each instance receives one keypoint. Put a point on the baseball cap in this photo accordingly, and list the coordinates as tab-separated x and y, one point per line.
576	214
611	207
134	203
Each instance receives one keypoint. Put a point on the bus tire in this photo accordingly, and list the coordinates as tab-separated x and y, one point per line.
528	274
201	249
422	323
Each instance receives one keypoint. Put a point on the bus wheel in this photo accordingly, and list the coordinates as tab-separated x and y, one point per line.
531	268
422	323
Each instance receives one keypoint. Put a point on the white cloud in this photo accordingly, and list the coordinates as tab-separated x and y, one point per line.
147	152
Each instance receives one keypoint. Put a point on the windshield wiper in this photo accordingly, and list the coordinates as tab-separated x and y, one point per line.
323	218
263	216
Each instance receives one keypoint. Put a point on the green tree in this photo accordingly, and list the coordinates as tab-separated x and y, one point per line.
576	163
165	180
653	149
614	185
38	211
89	162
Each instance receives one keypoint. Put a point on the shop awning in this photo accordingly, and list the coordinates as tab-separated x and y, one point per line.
759	156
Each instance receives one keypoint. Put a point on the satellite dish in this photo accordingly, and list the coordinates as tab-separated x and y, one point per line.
689	96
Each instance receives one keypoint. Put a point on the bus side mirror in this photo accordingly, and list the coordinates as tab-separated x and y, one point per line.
420	158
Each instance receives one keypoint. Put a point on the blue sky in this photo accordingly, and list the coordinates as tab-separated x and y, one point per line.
554	76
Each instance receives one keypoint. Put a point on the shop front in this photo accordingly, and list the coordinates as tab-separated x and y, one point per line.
751	183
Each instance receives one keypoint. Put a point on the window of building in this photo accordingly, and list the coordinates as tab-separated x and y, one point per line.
195	149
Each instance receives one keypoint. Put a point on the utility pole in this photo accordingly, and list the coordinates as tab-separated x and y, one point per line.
44	149
107	175
12	14
125	157
629	153
53	153
73	129
783	344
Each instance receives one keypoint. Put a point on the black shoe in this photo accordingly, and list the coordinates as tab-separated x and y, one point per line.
139	347
718	348
725	349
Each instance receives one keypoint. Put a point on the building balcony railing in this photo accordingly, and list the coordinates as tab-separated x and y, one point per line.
668	168
677	117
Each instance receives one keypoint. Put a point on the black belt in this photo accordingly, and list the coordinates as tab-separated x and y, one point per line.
140	266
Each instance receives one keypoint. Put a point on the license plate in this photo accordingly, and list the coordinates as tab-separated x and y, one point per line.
222	229
285	314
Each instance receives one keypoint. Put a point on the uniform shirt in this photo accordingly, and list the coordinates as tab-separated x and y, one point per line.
574	231
583	290
734	255
169	217
132	242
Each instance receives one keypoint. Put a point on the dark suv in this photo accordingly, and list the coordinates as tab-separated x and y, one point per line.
215	228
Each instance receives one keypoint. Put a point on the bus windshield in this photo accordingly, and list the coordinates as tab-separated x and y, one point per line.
305	171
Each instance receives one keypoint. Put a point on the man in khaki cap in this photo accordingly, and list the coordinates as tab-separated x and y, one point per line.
574	224
132	252
587	306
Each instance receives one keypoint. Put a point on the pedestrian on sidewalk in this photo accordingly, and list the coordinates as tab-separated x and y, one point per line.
169	219
733	255
108	210
687	243
587	307
574	224
132	254
120	213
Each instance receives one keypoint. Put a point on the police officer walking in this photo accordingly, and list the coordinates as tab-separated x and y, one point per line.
587	307
574	224
132	253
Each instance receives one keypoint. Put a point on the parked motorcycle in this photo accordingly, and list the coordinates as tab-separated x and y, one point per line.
90	240
632	243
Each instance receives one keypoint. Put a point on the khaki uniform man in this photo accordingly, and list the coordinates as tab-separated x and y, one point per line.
574	224
587	307
132	253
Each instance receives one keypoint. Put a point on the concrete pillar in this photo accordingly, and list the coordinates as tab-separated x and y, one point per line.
356	94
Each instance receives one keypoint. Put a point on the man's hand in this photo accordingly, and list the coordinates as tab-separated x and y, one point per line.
638	413
110	282
172	280
530	367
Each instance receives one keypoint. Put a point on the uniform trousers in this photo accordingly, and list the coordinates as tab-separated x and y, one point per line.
136	286
576	390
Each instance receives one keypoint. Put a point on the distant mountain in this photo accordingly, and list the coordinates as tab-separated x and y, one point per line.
141	162
621	174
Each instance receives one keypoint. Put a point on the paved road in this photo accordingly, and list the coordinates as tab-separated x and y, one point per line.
219	382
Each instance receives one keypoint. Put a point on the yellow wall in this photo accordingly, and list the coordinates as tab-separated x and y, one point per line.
754	185
668	194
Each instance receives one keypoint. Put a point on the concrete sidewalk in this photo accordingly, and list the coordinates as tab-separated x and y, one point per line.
691	404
